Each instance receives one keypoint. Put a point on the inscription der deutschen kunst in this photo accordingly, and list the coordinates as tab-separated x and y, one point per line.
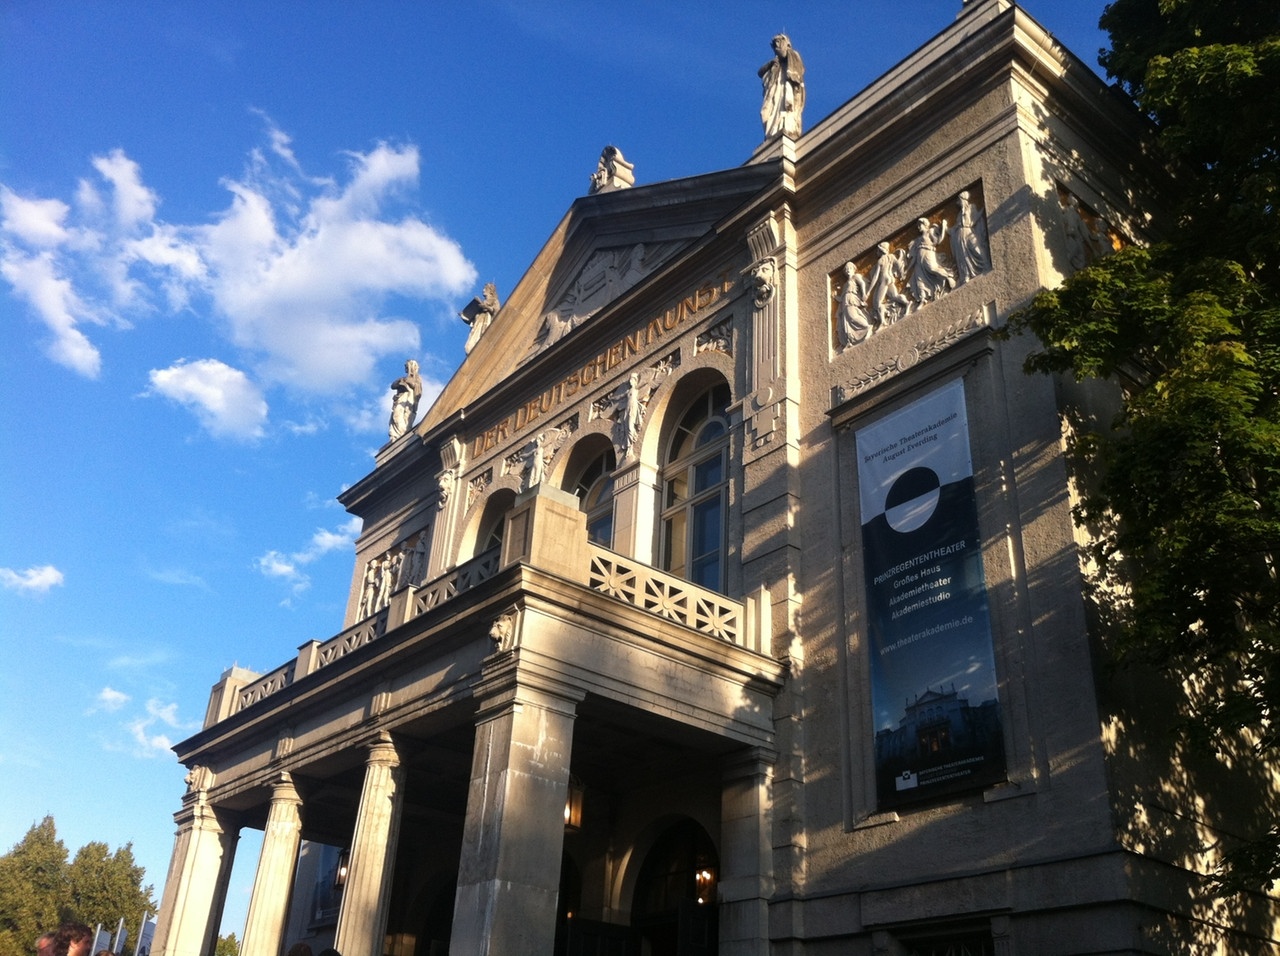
635	343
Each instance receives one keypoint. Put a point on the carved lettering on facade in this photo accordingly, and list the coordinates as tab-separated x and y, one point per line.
639	341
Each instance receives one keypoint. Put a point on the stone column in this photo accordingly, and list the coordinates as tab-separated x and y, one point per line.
746	853
273	884
199	870
362	921
513	839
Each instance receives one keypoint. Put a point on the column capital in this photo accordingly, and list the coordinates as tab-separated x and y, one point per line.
382	750
747	762
507	684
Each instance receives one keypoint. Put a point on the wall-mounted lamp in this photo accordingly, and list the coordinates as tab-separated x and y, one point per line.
340	874
573	804
704	881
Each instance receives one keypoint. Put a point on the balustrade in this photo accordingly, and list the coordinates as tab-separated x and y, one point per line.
620	577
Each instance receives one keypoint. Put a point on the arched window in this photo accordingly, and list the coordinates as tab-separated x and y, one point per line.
493	521
594	489
695	492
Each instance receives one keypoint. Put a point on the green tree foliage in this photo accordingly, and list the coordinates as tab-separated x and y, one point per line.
40	888
105	886
1182	487
227	946
32	881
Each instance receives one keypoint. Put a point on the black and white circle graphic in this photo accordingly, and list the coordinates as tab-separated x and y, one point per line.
912	499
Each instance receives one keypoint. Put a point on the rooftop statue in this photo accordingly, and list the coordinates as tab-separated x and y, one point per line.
479	315
783	79
405	392
612	172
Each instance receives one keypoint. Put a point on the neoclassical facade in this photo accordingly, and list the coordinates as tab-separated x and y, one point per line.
728	599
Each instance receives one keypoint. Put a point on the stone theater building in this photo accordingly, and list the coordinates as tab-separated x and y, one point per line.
728	599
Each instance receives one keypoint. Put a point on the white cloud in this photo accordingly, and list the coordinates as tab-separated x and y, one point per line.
110	700
149	743
287	567
133	203
35	580
227	403
36	279
295	273
37	222
179	577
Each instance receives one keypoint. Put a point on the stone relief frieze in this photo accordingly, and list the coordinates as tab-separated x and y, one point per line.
916	266
607	274
404	564
477	485
718	338
626	405
953	333
533	458
1088	235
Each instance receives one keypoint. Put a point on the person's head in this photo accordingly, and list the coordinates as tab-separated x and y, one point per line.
72	939
299	949
45	944
781	44
329	952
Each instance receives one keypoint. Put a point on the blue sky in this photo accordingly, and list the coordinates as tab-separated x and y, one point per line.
223	229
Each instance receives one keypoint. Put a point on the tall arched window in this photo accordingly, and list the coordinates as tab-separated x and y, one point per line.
595	491
695	492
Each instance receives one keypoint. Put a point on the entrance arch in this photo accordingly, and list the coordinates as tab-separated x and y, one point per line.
674	912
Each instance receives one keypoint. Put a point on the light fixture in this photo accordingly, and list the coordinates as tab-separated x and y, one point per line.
704	881
573	804
340	874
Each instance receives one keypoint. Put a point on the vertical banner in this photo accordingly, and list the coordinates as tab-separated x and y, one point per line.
933	678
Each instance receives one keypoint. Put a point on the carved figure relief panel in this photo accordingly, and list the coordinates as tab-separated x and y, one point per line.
1088	235
917	265
404	564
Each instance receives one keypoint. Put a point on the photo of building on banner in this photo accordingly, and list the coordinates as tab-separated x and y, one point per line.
933	681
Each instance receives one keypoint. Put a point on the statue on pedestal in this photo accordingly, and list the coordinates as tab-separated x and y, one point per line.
479	315
612	172
783	79
405	393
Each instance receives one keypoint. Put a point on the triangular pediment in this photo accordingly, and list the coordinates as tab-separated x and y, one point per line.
606	246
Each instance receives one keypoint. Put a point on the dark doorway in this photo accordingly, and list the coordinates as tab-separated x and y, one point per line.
675	905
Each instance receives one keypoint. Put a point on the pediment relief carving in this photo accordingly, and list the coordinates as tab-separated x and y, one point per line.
607	274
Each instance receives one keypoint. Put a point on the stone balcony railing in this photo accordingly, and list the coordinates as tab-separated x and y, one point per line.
677	600
559	546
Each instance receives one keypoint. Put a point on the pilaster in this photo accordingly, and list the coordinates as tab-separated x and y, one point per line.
635	514
746	855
